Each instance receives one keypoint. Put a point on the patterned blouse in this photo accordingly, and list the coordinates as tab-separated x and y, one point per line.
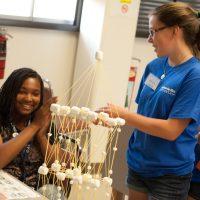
25	165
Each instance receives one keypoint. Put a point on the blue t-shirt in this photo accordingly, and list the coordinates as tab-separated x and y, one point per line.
176	96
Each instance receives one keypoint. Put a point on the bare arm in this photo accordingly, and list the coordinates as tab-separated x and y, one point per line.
168	129
10	149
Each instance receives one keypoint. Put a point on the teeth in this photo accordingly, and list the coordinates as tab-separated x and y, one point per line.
27	106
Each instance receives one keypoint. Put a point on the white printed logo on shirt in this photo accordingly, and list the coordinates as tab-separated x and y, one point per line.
167	90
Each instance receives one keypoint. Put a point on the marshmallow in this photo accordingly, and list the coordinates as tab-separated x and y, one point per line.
74	111
55	108
99	55
120	121
84	112
64	164
49	134
69	173
92	116
59	188
15	134
64	110
111	122
61	176
60	137
119	130
78	179
107	181
87	178
43	169
95	183
77	171
68	141
114	148
110	172
103	116
56	166
89	167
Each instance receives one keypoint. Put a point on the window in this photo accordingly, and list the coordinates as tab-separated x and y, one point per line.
52	14
146	6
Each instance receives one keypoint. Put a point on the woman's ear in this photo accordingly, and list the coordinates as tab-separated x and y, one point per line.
176	30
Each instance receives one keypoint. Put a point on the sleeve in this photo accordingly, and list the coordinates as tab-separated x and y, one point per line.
187	102
142	84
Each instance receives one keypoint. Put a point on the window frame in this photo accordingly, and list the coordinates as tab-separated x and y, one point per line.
45	23
142	30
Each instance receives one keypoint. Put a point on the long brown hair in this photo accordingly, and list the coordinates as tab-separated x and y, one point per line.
184	16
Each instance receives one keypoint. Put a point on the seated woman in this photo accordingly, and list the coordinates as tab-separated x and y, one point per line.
24	122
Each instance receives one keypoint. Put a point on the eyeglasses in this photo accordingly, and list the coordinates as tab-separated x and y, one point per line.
153	31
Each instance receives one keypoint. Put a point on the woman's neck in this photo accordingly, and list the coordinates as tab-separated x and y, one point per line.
20	121
181	54
179	59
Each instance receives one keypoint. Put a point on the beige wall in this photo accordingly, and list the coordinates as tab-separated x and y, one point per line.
145	52
49	52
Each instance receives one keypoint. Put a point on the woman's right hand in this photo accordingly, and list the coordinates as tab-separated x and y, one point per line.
43	114
2	197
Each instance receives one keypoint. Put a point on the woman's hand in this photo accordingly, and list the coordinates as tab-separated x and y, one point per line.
114	110
43	114
2	196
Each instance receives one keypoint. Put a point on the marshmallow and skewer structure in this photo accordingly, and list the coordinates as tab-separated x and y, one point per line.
70	130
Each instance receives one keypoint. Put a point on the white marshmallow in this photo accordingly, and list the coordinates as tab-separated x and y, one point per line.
92	116
74	111
69	173
119	130
59	188
78	179
64	110
99	55
114	148
95	183
43	170
61	176
64	164
76	171
103	116
89	167
68	141
87	178
15	134
107	181
60	137
55	108
111	122
49	134
84	112
56	166
120	121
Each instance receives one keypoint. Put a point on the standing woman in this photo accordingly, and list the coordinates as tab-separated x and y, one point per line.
161	150
24	122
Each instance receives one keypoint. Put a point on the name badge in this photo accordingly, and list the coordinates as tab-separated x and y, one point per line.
152	81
